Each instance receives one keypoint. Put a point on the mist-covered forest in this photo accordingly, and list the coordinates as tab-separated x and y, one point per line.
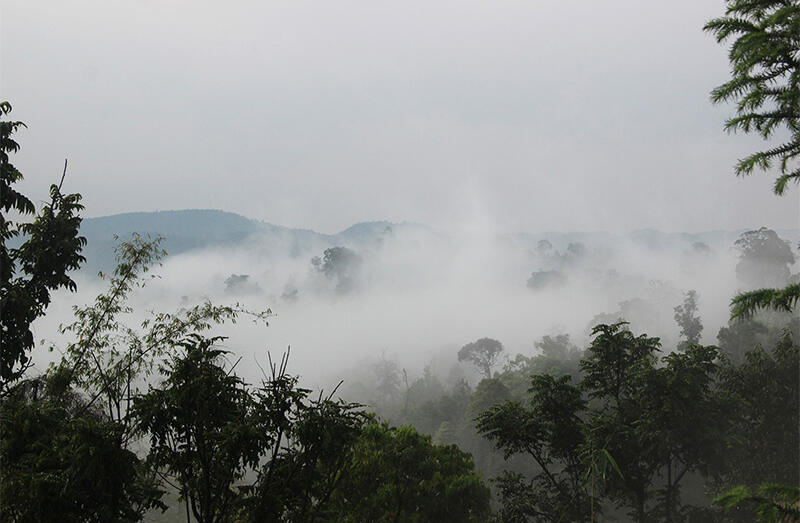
204	366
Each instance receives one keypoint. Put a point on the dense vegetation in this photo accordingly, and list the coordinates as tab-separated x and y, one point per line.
135	421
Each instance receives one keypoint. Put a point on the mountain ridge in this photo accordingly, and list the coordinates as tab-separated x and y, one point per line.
196	229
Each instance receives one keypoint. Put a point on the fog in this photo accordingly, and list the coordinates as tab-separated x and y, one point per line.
321	115
416	295
481	120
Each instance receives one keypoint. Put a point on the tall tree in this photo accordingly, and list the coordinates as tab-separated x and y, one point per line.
687	319
764	259
764	262
549	431
341	265
764	443
615	373
629	433
199	428
482	353
62	457
40	265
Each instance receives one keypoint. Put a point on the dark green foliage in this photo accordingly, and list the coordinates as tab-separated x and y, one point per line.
64	462
549	431
614	359
614	374
400	475
442	414
773	503
489	392
764	446
659	422
199	429
765	79
740	336
682	423
629	433
307	446
482	353
687	319
747	303
764	329
271	454
40	265
62	458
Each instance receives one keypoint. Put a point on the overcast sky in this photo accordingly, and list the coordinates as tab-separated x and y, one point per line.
513	115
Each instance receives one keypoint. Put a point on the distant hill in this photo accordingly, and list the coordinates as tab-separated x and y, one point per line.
197	229
182	231
189	230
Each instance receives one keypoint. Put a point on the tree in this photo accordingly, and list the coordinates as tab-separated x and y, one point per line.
208	430
549	431
765	85
629	432
387	380
687	319
774	503
764	261
482	353
559	357
685	421
747	303
40	265
764	258
614	374
740	336
489	392
308	446
241	284
544	248
765	82
659	422
764	443
199	429
400	475
558	348
546	280
61	459
341	265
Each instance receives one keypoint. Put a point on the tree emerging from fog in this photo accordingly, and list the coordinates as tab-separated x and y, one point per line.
483	354
340	265
687	319
764	259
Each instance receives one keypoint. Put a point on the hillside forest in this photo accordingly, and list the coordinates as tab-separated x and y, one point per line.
148	360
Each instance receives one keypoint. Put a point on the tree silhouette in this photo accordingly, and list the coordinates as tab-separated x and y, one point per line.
482	353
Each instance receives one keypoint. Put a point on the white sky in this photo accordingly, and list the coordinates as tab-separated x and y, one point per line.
512	115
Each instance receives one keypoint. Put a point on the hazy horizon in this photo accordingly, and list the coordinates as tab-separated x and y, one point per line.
512	116
416	223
